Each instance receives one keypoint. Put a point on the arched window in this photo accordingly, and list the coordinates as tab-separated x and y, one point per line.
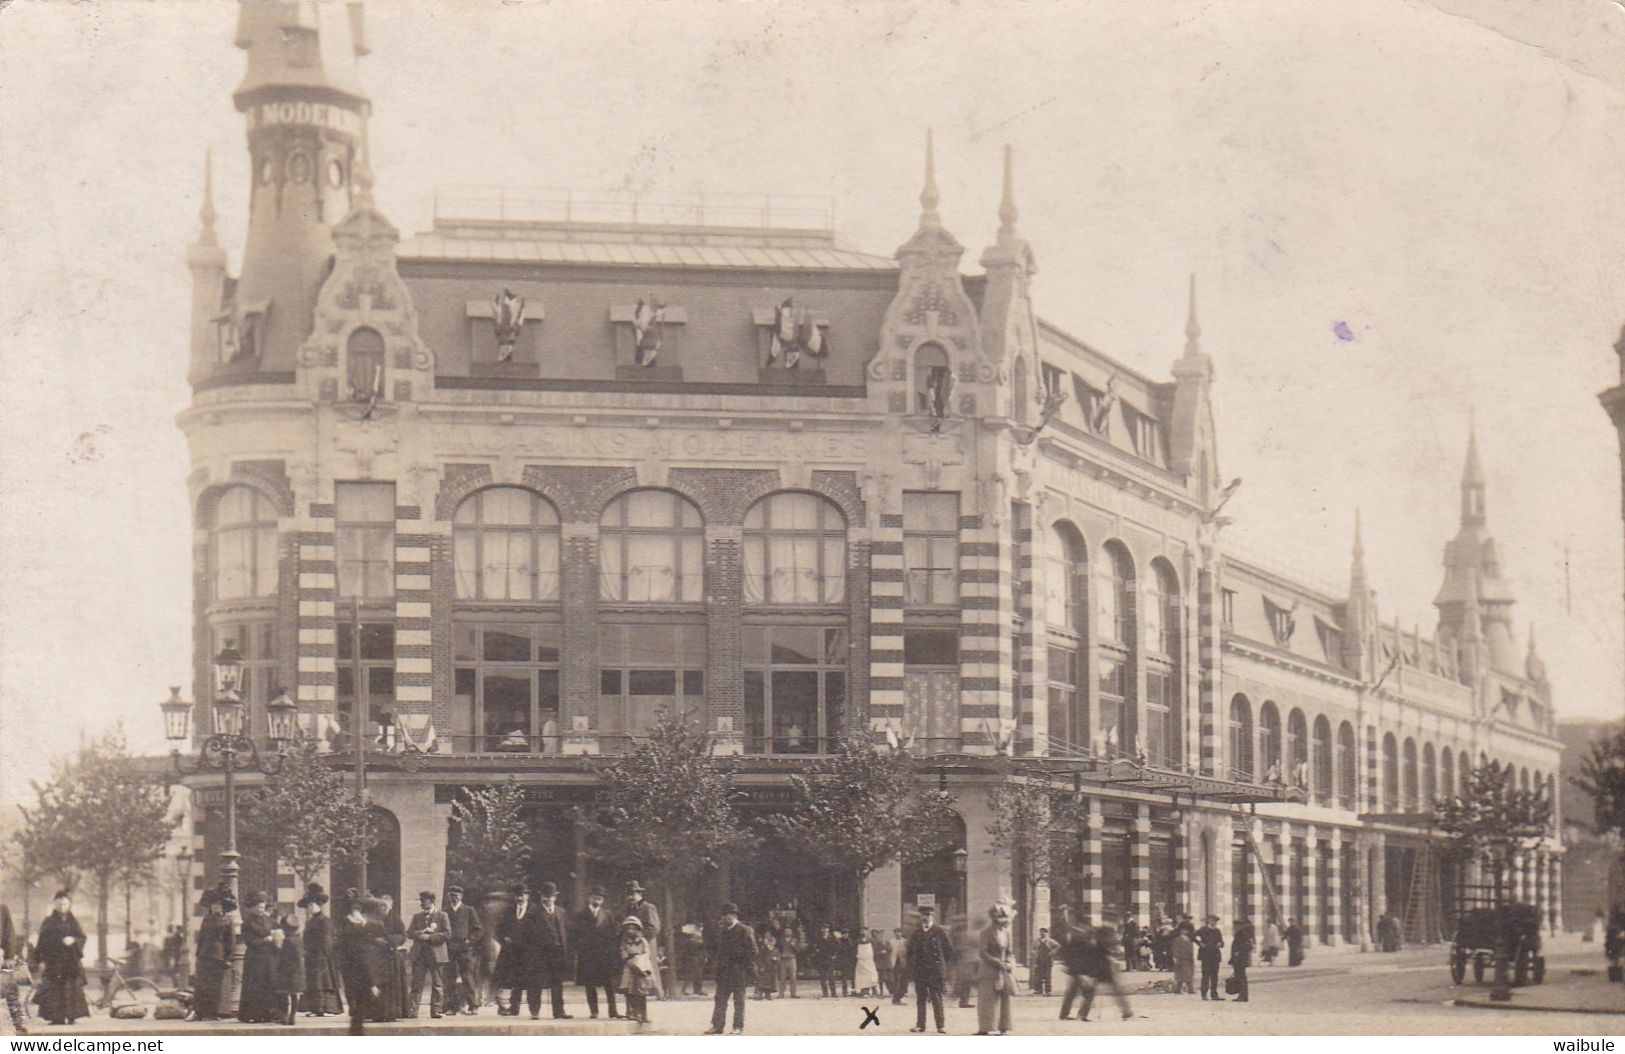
1447	773
1269	741
1523	780
1348	772
1065	568
1115	592
1162	615
1412	788
1018	392
1322	762
506	546
1390	773
244	550
1297	747
1430	776
795	551
1241	738
651	549
364	355
933	380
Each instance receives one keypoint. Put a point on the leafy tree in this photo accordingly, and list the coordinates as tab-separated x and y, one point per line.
101	815
670	810
491	849
1027	817
860	809
1602	775
1492	821
306	815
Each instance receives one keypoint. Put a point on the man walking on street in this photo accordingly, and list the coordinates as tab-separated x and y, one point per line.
1241	956
428	933
463	935
1210	953
930	957
899	966
736	962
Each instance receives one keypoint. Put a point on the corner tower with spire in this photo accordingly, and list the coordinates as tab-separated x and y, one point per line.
1474	598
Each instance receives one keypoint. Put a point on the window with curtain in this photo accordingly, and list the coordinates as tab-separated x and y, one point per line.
1067	718
1241	737
1390	773
365	539
645	669
1348	774
506	546
1412	785
1115	596
1430	777
1269	738
245	556
651	549
930	549
1159	739
1447	773
1322	763
1064	581
1297	742
795	551
507	686
1162	611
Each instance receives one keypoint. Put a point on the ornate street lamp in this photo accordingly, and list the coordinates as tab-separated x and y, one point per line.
959	857
229	751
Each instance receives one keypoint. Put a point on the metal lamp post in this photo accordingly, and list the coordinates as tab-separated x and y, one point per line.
960	857
229	750
183	888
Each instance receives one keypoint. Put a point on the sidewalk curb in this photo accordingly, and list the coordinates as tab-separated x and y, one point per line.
1479	1004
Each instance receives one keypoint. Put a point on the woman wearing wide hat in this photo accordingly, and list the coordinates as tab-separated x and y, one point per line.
321	967
258	1001
60	950
213	954
997	978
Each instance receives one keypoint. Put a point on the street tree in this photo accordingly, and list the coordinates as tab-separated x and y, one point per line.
671	811
1602	775
102	815
1493	822
305	815
491	839
861	808
1031	823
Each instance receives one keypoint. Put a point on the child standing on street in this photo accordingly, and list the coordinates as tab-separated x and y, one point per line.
637	969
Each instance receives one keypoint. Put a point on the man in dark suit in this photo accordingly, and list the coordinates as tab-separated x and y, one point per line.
515	934
550	952
931	957
463	936
1210	953
429	931
596	936
736	969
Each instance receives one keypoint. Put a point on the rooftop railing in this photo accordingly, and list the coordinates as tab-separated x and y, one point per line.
525	205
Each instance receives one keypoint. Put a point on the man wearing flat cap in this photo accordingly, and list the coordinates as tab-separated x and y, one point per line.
551	951
596	936
736	968
931	957
463	935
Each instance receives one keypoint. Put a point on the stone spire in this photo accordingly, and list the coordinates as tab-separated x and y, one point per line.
1193	330
1534	667
207	261
1009	249
1007	200
1192	437
930	219
1472	479
931	241
206	217
1360	616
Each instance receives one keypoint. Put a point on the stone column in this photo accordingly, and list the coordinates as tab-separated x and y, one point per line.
578	661
1183	893
724	673
1554	907
1334	888
1311	886
1094	898
1140	864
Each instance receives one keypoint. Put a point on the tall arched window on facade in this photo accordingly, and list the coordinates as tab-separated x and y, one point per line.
1322	763
1412	784
1297	749
1447	773
1269	741
1114	645
1390	773
1241	738
933	381
1430	777
364	364
795	551
245	546
506	546
1348	771
1163	703
1065	611
651	549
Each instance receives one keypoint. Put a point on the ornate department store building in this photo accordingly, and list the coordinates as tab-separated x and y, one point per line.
566	468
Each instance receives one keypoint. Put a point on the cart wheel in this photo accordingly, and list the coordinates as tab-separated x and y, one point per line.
1478	969
1540	969
1458	969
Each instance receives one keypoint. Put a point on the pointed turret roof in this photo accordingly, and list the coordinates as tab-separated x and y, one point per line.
930	238
1472	473
1009	248
206	217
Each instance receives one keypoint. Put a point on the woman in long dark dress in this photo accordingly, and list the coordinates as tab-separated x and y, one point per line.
213	955
321	968
60	951
290	965
258	1000
362	952
393	1002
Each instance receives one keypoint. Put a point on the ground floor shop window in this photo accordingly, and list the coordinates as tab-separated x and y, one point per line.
1167	901
1241	881
1116	872
507	687
645	670
795	688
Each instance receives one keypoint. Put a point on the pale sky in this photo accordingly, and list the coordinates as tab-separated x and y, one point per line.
1444	178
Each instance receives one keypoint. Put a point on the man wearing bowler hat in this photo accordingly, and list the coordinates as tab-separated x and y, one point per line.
736	968
596	936
429	931
462	942
552	951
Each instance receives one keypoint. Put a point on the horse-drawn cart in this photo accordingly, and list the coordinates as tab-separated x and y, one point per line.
1510	933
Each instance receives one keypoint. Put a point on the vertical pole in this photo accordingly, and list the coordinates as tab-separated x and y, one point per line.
359	718
229	871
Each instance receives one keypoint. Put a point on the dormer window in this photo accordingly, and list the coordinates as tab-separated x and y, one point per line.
1227	606
1283	621
1331	642
1145	432
1051	379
